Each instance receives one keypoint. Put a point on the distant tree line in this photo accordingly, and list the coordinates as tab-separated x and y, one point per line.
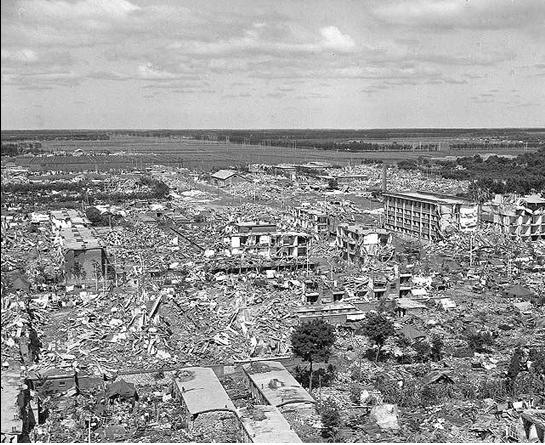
19	148
488	145
54	135
521	175
356	146
87	190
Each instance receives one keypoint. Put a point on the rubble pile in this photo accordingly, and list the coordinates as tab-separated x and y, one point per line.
173	294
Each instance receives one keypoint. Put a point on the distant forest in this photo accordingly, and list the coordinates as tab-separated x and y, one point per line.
302	137
522	175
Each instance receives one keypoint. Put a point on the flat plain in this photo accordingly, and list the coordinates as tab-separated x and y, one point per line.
138	151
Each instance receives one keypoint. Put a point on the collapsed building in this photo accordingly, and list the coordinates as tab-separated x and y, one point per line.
314	221
266	241
81	251
223	178
270	383
356	242
266	424
66	218
522	218
428	216
201	393
287	170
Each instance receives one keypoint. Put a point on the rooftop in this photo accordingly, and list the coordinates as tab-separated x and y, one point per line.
276	384
285	166
80	238
224	174
430	197
71	214
266	424
533	199
407	303
10	407
255	224
202	391
362	230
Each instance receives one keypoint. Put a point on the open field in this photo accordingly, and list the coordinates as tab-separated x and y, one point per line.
204	156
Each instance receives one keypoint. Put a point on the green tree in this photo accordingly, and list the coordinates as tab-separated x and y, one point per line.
378	328
437	345
94	215
331	418
537	357
312	341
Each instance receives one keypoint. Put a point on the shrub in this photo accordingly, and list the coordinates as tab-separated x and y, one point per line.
478	340
355	393
321	376
423	350
437	345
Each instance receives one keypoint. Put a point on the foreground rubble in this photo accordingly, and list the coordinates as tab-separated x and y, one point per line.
175	297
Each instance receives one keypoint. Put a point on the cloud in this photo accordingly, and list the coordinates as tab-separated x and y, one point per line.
334	39
23	55
82	10
150	72
459	14
272	40
70	23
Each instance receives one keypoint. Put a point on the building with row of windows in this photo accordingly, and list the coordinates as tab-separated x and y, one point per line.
266	240
428	215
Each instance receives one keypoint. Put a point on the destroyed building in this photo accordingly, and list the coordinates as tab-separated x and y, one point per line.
13	426
269	244
356	242
82	252
428	216
314	221
287	170
200	393
271	384
223	178
266	424
522	218
66	218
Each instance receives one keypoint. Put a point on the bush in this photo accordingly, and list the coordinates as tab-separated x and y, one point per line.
437	345
429	395
390	390
478	340
423	350
537	357
355	393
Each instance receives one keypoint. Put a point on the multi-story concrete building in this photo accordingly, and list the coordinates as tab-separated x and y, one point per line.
521	218
428	215
357	242
83	253
271	245
314	221
66	218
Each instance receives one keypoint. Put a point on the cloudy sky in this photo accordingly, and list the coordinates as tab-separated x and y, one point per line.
272	64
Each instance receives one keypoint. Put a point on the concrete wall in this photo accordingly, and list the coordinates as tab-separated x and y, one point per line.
86	260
